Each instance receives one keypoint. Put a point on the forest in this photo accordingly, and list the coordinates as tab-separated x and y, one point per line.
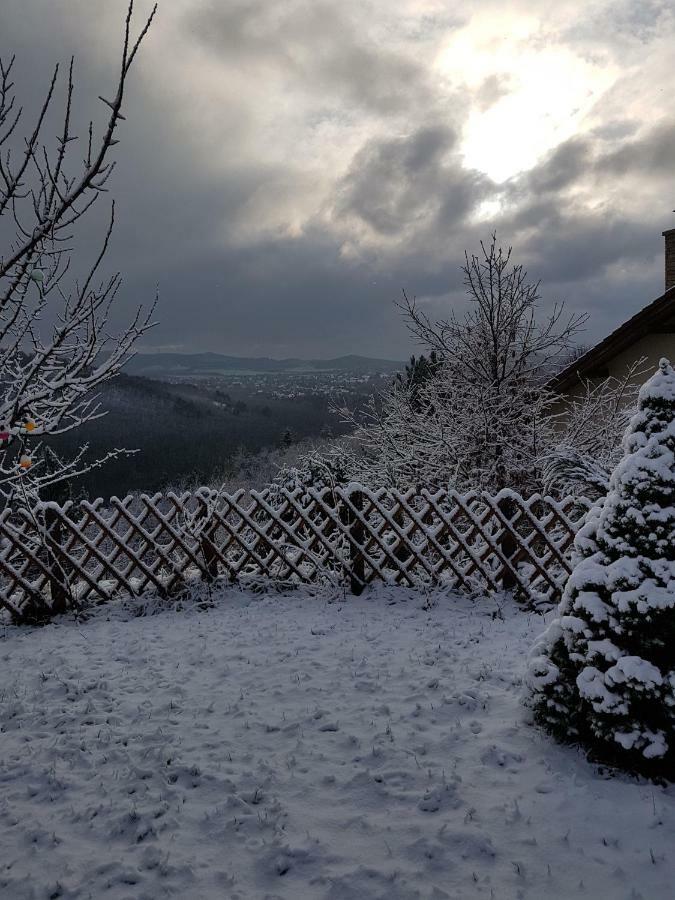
184	434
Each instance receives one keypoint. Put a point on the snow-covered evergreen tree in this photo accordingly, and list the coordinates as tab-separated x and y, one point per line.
603	674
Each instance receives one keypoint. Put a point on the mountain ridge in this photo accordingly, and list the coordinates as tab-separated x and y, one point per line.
155	364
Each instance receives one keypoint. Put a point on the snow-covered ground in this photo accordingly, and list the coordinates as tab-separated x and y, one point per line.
305	747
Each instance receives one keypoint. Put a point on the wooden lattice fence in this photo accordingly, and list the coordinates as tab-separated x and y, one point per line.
52	557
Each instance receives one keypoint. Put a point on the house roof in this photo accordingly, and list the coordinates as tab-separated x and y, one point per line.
651	318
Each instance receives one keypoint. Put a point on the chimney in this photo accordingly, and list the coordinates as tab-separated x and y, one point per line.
670	257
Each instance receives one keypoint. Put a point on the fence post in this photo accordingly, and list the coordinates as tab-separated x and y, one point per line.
206	546
507	543
56	562
358	535
402	553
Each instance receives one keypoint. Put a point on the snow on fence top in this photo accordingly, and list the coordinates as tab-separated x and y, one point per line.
53	557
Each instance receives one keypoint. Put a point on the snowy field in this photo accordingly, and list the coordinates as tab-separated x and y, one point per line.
305	747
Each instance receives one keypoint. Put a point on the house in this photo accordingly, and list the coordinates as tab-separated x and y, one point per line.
650	333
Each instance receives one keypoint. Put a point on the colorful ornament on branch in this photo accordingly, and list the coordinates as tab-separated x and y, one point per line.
29	424
5	436
37	275
25	462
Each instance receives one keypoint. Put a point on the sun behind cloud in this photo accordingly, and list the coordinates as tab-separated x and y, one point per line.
542	91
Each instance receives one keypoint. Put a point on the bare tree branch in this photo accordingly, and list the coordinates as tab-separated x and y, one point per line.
55	349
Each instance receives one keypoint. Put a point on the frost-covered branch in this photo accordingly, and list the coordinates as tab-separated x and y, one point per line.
588	434
476	414
502	337
55	345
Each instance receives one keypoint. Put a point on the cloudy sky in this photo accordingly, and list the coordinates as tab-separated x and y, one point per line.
288	166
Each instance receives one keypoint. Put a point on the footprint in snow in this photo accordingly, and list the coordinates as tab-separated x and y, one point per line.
438	798
544	787
470	700
502	758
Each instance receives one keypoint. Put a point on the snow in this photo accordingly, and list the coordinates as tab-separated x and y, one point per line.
592	685
637	670
305	746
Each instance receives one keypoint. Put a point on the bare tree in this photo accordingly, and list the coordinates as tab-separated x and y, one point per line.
477	413
479	417
502	337
496	358
55	349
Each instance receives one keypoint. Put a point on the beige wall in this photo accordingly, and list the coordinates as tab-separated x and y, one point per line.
651	346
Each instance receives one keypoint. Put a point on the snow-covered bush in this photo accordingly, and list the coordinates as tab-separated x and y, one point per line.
603	674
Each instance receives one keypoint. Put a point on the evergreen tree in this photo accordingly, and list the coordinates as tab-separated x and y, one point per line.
418	373
603	674
286	439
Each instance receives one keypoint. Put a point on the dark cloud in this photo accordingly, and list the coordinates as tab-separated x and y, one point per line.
394	183
579	247
282	197
650	154
316	46
563	168
615	129
284	297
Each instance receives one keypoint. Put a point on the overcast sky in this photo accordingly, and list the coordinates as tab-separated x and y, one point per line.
288	166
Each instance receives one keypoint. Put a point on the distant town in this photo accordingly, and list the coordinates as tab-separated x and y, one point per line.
286	385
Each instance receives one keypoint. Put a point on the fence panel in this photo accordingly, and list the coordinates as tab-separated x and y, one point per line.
52	557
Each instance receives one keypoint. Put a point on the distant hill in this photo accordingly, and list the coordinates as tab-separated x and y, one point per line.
163	365
185	432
